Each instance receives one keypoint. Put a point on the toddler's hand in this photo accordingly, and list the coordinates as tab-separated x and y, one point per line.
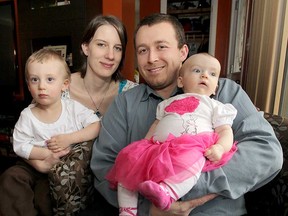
58	143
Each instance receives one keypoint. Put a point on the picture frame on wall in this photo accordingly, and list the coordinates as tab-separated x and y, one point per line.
61	49
37	4
62	45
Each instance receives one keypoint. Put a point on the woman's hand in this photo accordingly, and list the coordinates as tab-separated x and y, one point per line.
182	208
47	163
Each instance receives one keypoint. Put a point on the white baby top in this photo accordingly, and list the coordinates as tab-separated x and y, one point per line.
191	114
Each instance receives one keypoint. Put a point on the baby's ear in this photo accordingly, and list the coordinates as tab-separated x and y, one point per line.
180	82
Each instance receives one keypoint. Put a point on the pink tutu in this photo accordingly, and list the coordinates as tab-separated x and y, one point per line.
150	160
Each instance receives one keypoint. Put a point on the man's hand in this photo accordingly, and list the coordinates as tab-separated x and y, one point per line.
182	208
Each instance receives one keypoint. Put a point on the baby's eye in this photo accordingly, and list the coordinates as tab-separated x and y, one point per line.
213	74
196	70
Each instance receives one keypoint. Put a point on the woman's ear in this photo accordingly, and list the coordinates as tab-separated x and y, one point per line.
84	47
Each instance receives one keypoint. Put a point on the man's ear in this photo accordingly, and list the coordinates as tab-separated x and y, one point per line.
180	82
184	52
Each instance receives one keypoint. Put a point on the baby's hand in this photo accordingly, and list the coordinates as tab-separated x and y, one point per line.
58	143
214	153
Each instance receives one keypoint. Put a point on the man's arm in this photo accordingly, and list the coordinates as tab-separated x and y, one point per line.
152	129
259	157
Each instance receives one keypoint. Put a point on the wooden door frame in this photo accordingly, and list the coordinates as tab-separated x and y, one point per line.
18	94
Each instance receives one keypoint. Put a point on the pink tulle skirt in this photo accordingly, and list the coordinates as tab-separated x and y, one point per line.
150	160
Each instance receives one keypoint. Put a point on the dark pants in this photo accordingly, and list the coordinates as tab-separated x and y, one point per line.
24	191
100	207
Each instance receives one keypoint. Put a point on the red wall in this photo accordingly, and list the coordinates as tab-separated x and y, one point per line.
125	10
222	34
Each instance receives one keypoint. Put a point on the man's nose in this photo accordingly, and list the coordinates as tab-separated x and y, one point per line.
153	56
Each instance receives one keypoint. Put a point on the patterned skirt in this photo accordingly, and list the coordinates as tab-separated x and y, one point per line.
71	181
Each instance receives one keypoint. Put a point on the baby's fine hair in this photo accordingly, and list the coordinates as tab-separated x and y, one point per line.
201	53
43	55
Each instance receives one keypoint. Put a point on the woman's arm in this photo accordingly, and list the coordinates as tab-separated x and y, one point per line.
44	165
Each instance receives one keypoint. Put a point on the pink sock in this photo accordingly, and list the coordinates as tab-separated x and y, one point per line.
156	193
127	211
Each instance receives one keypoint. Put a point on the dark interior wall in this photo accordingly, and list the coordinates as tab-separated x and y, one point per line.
8	69
47	24
55	22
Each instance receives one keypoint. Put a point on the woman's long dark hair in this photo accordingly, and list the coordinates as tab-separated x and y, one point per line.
89	32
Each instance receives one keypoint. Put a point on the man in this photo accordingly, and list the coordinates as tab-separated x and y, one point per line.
160	49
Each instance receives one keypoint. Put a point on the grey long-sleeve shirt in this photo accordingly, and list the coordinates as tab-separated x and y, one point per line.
258	159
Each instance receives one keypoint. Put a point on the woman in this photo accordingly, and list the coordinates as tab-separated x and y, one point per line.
103	46
99	81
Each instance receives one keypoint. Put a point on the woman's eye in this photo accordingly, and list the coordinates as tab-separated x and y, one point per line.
119	49
101	44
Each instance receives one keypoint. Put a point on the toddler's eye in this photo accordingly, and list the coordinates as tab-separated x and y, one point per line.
50	79
34	79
